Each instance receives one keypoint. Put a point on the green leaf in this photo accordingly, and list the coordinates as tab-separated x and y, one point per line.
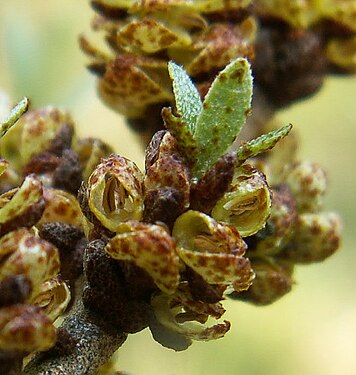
261	144
224	113
7	122
187	97
186	144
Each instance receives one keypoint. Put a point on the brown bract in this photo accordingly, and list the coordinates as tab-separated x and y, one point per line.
131	83
273	281
25	328
213	250
166	183
22	206
22	253
61	206
149	247
213	184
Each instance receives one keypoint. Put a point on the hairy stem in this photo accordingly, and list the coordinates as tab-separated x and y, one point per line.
94	344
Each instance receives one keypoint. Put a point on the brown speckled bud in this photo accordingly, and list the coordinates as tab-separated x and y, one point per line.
145	35
23	206
90	151
212	250
149	247
247	204
114	192
217	46
316	237
45	129
22	253
25	328
166	182
307	183
280	224
52	297
61	207
131	83
272	282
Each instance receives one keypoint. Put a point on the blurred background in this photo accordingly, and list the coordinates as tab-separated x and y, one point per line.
311	331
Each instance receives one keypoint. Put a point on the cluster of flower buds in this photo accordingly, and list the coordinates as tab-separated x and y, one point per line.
297	231
168	245
41	235
290	44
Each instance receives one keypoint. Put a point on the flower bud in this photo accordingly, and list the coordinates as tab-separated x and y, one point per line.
219	45
9	177
22	253
272	282
23	206
280	225
114	192
166	182
247	204
45	129
61	207
151	248
53	297
90	151
25	328
212	250
315	238
307	183
132	82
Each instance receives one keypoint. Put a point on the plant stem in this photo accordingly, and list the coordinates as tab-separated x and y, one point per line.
95	342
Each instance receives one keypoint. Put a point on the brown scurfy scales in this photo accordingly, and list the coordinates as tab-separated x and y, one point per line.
88	236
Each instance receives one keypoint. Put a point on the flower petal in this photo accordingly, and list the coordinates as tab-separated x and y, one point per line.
149	247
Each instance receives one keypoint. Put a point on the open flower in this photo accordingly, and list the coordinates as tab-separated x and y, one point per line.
114	192
183	323
213	250
247	204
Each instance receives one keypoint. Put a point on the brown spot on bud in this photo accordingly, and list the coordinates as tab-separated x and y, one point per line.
14	289
213	184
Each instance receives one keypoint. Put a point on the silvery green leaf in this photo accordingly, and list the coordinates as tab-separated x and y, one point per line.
9	120
185	142
261	144
186	95
225	108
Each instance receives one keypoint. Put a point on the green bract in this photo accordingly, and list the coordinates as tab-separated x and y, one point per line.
7	122
205	131
261	144
215	123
